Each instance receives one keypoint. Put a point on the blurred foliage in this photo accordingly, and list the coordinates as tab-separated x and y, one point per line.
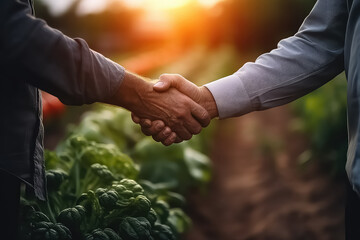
178	167
322	116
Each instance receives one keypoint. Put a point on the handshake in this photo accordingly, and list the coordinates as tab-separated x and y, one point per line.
170	110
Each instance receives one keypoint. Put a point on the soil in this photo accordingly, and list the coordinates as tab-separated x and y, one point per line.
259	191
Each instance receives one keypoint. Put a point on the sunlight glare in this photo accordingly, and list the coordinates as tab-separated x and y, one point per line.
133	3
91	6
156	4
209	3
56	7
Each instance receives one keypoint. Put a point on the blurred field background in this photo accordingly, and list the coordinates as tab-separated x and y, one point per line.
277	174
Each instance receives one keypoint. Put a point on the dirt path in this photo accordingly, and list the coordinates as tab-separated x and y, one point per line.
258	191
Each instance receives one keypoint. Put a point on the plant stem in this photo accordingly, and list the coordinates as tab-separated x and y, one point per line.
51	214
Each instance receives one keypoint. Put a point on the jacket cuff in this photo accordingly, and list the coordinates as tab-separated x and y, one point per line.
118	74
231	97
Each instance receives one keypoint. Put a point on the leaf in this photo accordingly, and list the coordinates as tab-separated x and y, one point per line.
198	165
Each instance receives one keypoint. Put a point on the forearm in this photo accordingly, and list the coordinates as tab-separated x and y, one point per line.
47	59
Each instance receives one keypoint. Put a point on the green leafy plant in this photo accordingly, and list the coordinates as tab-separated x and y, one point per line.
322	116
95	191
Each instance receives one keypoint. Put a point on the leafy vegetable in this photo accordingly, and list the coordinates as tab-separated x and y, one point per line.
54	178
179	220
97	176
109	125
176	167
94	189
107	198
50	231
72	218
162	232
106	234
93	209
135	229
87	153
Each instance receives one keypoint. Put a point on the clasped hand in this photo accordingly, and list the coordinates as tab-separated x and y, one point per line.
187	109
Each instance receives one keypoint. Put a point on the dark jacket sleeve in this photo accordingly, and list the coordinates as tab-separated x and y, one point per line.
33	52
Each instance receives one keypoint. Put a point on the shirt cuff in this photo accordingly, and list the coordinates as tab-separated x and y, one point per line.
231	97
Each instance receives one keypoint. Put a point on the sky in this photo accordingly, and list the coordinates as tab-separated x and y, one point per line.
57	7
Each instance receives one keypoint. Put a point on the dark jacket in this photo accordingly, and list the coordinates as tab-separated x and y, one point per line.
35	56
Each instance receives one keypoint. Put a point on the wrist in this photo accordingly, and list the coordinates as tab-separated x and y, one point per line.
131	92
208	102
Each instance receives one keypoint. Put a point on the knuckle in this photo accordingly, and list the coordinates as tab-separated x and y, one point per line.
167	142
167	131
197	130
164	75
181	113
204	115
186	136
145	132
157	128
156	139
145	123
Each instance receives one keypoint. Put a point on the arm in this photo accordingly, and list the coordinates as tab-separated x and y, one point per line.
34	53
41	56
300	64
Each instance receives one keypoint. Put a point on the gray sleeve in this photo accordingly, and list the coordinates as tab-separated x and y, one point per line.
34	53
300	64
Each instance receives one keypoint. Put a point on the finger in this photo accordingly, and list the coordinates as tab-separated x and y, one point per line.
178	140
156	127
170	139
146	131
182	132
192	125
200	114
163	134
146	123
135	118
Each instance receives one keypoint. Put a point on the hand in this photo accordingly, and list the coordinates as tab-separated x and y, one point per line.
157	130
180	113
201	95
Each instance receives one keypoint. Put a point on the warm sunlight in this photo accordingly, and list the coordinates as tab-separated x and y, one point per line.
209	3
162	4
166	4
92	6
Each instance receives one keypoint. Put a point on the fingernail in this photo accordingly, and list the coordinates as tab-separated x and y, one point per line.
159	84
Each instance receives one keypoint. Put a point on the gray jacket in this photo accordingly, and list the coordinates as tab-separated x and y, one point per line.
327	43
35	56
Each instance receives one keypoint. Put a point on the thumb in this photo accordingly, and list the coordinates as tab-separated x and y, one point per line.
163	84
180	83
